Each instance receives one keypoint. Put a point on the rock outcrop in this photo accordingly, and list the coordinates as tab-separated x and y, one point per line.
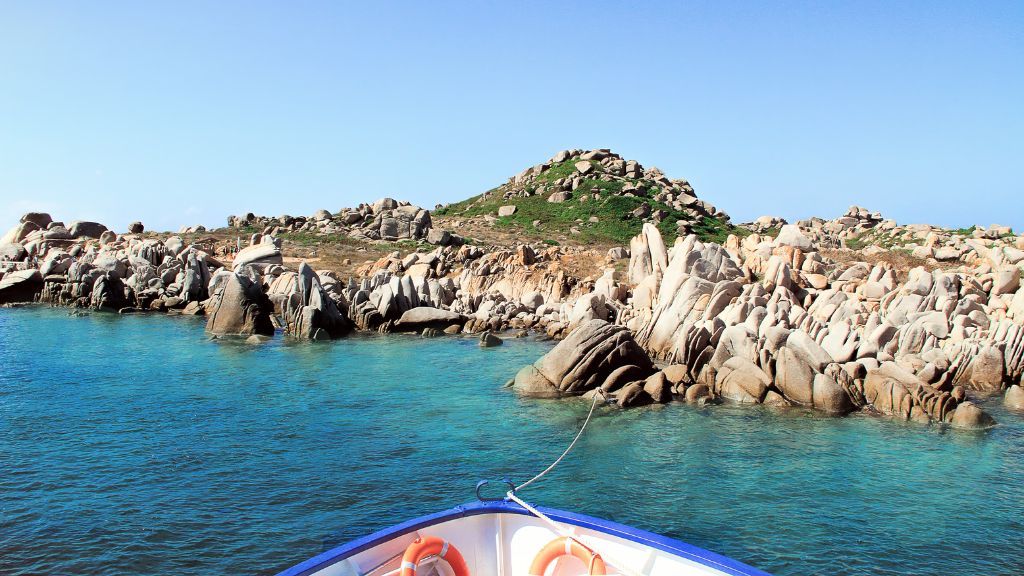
748	321
130	273
585	360
386	219
239	307
306	308
855	313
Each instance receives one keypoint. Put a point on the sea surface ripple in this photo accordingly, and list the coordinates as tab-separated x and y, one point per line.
135	445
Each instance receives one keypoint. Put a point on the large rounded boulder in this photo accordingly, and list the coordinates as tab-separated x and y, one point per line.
583	361
240	308
422	317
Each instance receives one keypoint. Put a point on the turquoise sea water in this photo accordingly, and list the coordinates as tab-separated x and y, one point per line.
134	445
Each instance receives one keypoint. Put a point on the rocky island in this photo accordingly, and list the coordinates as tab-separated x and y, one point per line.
655	294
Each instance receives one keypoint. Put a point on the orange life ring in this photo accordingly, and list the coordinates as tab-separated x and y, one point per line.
566	547
432	546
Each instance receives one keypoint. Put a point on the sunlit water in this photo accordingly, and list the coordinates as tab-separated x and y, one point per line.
135	445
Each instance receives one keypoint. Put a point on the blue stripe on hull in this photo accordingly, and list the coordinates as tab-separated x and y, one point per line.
675	547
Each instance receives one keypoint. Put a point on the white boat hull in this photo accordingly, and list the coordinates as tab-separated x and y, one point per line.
502	538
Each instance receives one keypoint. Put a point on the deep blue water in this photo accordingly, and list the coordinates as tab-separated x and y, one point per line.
135	445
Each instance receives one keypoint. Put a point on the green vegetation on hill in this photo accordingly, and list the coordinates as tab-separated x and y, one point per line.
881	238
615	224
563	169
712	229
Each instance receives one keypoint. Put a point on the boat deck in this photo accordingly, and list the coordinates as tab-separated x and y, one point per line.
502	538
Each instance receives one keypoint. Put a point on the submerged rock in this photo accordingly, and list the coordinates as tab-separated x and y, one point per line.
489	340
1014	399
968	415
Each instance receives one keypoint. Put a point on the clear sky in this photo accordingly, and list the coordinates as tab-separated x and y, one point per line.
181	113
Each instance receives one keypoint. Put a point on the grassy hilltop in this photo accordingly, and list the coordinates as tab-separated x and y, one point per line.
596	198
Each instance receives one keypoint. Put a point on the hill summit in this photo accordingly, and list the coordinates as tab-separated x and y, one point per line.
598	196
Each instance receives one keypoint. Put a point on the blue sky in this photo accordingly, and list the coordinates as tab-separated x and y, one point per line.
182	113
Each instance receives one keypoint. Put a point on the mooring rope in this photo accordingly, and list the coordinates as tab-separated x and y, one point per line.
555	526
597	396
620	564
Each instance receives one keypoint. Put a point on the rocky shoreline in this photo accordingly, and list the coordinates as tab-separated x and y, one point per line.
851	314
